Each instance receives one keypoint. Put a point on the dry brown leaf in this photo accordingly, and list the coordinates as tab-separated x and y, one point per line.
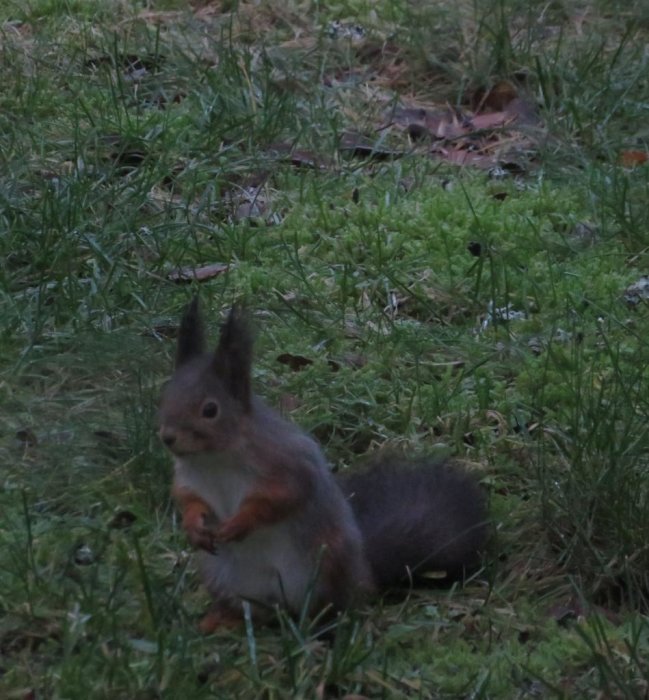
197	274
481	139
631	159
492	120
495	98
295	362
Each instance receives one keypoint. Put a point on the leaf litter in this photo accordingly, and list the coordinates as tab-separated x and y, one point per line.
382	96
496	132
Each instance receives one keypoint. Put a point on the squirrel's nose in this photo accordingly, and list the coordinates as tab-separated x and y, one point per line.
167	437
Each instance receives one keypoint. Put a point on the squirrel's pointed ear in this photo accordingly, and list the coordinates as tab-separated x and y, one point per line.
233	356
191	338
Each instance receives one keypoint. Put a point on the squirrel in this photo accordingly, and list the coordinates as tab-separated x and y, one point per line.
271	524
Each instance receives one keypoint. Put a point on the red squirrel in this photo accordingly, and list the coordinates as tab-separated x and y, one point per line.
271	524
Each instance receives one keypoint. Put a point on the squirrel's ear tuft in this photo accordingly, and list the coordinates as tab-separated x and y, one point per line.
233	356
191	338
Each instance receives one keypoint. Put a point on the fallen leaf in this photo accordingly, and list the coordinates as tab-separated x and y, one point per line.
631	159
295	362
198	274
492	120
482	139
495	98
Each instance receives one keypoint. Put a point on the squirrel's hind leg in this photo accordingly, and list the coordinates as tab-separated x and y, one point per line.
220	616
345	579
229	614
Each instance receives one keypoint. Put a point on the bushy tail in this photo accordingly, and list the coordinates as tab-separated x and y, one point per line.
417	517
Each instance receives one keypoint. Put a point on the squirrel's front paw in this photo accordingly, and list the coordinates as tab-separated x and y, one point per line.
230	531
203	538
199	534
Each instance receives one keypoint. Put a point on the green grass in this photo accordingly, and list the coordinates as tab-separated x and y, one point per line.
130	138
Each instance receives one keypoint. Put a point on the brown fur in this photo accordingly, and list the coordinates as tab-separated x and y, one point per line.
273	501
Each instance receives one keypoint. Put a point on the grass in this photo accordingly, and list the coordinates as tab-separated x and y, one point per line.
135	140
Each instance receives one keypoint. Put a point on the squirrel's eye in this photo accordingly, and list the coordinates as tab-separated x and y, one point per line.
210	409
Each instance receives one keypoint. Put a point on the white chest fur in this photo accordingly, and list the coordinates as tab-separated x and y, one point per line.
268	566
222	483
